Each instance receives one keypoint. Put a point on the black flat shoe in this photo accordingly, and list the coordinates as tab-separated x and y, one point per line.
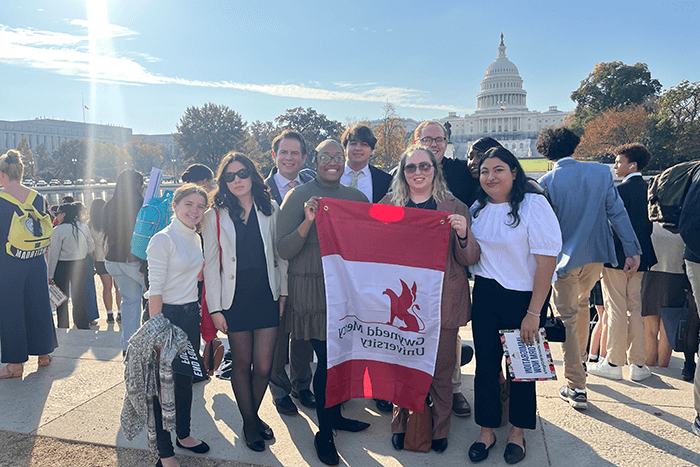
267	433
159	463
439	445
397	440
257	446
325	449
479	452
348	424
201	448
514	453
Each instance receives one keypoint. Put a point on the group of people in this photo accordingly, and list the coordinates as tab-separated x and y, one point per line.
259	256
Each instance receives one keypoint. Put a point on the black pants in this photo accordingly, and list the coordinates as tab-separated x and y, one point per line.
71	276
186	317
495	308
326	416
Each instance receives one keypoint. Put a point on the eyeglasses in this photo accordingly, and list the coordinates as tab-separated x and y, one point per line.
325	158
427	140
422	167
231	176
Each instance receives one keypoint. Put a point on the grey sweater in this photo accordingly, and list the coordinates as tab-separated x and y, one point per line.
143	367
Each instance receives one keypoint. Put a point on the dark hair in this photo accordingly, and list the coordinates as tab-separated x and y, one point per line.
556	143
634	152
96	220
289	134
520	184
197	173
72	215
67	199
223	198
361	133
128	188
482	145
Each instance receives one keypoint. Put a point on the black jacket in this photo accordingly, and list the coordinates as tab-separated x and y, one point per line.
381	182
689	221
634	194
459	180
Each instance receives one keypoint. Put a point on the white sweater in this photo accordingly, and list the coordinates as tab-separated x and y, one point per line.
175	260
69	244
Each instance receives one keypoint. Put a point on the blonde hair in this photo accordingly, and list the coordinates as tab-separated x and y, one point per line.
419	129
190	189
11	164
400	192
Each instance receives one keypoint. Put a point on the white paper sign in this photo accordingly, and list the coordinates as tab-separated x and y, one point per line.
527	362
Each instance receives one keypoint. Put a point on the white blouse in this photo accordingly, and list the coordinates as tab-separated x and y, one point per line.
68	244
175	260
507	253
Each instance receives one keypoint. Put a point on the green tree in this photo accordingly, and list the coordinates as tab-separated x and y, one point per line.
391	138
42	158
109	161
315	127
206	134
679	116
263	133
612	84
145	154
27	157
71	158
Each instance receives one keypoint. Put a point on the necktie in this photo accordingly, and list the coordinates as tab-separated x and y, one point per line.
355	175
292	184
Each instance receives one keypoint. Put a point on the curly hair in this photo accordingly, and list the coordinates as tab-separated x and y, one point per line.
557	142
634	152
223	198
400	191
517	193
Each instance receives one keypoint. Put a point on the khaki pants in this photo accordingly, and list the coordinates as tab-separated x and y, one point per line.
693	272
623	306
570	296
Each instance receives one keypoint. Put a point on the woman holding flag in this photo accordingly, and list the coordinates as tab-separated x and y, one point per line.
520	239
419	184
298	243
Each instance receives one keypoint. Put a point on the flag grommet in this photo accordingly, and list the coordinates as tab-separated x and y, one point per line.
325	208
442	221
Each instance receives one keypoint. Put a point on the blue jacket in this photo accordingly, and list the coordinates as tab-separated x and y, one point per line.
305	175
587	205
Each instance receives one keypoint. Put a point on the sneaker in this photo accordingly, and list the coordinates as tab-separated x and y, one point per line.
688	373
605	369
575	397
110	317
638	373
695	427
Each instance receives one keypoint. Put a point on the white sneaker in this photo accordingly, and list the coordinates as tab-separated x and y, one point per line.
638	373
604	369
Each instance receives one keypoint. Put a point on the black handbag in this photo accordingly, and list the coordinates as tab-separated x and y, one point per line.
554	327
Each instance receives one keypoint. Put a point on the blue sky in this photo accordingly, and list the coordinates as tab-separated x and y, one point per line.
141	63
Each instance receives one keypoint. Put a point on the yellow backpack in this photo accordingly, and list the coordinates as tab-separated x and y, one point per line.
30	232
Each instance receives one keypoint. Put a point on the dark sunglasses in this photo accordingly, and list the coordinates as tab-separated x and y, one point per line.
423	167
231	176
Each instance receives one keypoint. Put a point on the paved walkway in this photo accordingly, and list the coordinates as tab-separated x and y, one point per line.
78	398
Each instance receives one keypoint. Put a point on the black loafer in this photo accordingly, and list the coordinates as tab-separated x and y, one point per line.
514	453
439	445
384	406
348	424
267	433
460	406
201	448
325	449
466	354
306	397
479	452
285	406
397	440
257	446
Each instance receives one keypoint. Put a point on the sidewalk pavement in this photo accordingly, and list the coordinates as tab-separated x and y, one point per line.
67	414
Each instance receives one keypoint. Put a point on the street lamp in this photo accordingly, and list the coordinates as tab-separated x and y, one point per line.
74	161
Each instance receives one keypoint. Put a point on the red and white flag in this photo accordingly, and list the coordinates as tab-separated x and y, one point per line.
383	268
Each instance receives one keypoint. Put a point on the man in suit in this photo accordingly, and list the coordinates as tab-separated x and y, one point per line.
358	142
433	135
689	229
289	153
622	293
586	203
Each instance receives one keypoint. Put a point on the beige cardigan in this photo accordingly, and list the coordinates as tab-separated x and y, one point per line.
221	284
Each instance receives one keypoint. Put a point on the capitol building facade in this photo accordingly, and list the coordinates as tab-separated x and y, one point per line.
502	113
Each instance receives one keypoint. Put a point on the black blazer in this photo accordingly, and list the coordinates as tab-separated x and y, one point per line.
381	181
634	194
459	180
305	175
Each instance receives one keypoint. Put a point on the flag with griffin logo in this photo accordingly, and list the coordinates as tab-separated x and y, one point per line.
383	268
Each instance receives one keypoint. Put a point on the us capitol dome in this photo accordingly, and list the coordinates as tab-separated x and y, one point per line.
502	113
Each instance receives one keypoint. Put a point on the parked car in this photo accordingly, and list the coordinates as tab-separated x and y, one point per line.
54	182
103	181
28	182
79	181
91	181
40	183
67	182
